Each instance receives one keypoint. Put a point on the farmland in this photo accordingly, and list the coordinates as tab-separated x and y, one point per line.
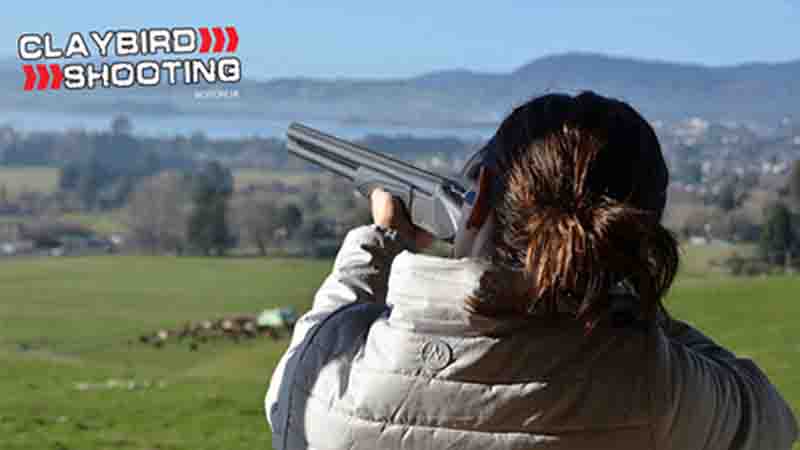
76	376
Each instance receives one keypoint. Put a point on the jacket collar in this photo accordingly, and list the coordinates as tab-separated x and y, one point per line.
428	294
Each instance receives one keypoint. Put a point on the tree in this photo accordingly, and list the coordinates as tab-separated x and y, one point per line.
794	183
91	179
740	227
318	237
105	178
727	199
212	187
778	238
158	212
121	125
690	219
256	217
289	219
359	214
69	175
312	202
208	227
320	229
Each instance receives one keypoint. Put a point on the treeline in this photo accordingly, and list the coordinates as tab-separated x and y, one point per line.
119	147
779	240
178	194
764	211
200	212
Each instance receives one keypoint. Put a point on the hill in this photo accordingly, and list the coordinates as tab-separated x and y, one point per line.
756	92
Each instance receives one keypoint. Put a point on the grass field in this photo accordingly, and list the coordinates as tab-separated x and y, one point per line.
106	222
67	321
45	179
37	179
245	177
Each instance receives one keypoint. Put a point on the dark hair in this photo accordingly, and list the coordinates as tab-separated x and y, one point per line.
583	189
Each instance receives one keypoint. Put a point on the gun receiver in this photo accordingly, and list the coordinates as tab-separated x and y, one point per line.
432	201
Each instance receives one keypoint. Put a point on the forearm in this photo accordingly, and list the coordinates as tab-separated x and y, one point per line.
360	274
361	269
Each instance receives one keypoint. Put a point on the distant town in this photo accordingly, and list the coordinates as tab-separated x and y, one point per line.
80	192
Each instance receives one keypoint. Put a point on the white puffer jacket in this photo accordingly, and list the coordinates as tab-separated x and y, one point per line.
410	369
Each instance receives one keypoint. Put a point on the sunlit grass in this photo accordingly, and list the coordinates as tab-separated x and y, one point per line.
67	321
34	178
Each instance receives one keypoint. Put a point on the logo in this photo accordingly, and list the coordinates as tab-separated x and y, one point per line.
436	355
159	56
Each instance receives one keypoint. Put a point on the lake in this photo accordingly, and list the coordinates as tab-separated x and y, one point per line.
223	126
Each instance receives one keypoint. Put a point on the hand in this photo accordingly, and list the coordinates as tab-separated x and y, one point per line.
388	212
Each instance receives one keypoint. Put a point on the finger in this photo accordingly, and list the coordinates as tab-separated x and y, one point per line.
379	196
381	207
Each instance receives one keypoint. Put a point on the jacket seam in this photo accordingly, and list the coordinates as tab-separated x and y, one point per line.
652	386
554	431
412	374
300	357
428	277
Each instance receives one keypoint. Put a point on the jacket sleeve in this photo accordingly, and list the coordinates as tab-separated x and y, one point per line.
708	398
361	269
360	274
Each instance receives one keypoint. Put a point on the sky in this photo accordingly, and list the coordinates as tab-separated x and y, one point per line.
383	39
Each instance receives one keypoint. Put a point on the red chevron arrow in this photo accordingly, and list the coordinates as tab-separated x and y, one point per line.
220	39
233	39
30	76
58	77
205	40
44	77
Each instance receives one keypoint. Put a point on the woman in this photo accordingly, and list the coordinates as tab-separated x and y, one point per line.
545	331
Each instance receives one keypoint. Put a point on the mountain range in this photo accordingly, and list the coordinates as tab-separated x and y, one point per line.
755	92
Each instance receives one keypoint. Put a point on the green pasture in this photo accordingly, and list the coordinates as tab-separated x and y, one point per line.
45	179
259	177
69	329
34	178
70	321
104	223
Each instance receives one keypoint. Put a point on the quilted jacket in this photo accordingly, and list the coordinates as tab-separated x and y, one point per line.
388	358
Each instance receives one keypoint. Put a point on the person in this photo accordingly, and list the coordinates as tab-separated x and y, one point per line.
546	328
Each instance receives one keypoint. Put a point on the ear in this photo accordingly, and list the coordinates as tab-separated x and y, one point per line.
482	208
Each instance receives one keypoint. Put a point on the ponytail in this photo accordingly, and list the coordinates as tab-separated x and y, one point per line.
563	224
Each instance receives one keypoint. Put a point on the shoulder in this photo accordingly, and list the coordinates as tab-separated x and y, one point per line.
702	389
341	331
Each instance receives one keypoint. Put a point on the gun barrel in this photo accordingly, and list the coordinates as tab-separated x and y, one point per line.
432	201
353	155
333	164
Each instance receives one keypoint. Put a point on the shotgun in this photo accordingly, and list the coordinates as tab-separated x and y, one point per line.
433	202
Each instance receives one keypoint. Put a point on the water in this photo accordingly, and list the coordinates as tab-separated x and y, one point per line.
223	127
